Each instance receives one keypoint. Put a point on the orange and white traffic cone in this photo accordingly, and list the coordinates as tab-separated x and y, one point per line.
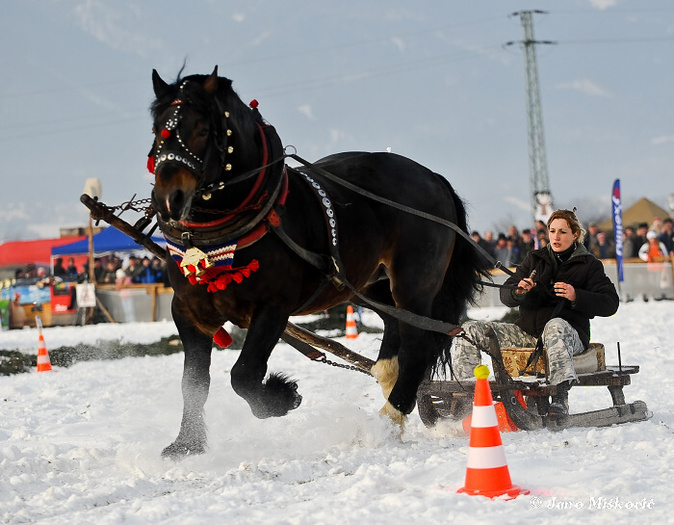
487	471
43	362
351	330
505	424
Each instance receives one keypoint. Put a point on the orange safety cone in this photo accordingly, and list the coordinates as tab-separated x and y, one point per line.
487	471
351	330
505	424
43	362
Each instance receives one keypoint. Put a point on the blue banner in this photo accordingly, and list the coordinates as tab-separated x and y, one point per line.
618	227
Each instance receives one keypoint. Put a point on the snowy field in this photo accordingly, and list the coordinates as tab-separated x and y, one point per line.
82	445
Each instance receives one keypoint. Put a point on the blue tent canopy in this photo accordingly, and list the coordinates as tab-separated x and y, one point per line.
108	240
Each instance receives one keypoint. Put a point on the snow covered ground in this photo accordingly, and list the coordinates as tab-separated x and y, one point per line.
82	445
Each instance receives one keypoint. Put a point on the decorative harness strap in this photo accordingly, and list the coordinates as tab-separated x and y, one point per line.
213	266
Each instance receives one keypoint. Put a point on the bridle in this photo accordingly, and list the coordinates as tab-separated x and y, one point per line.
179	151
269	184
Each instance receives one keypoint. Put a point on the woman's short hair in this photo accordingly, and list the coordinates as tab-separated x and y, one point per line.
572	221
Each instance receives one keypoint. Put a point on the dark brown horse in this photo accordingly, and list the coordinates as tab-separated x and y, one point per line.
255	242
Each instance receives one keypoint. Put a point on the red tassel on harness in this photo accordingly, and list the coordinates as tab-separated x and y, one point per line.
222	338
217	277
150	164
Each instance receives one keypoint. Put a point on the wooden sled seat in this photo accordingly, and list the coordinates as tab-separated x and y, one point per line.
592	360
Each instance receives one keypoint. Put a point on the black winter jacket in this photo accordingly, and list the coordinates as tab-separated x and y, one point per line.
595	293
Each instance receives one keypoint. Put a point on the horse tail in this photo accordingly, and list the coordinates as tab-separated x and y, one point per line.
462	282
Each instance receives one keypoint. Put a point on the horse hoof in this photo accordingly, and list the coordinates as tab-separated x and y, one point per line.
178	451
280	396
395	415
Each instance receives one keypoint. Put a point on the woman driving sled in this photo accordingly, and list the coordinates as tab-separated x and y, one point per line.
559	289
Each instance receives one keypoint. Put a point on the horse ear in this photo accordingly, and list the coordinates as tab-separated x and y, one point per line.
211	84
158	83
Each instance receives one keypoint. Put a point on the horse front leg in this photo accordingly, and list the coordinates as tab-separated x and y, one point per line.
278	394
195	385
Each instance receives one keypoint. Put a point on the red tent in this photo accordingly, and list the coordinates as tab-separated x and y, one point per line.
20	253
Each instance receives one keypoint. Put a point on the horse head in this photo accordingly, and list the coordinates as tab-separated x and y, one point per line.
202	130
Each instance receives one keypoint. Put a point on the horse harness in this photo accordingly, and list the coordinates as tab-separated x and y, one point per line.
195	261
205	250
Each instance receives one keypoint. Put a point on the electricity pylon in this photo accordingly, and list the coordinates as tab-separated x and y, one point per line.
539	181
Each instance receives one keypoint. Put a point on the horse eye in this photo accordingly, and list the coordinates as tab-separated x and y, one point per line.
204	132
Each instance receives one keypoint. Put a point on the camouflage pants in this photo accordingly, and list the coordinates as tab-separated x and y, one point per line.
560	340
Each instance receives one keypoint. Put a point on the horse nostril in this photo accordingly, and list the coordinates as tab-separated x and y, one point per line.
175	203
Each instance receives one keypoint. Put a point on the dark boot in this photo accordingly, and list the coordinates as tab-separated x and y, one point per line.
559	405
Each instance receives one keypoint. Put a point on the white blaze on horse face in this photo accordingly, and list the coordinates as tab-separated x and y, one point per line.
168	205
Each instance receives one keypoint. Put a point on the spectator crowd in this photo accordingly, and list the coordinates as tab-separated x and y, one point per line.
647	242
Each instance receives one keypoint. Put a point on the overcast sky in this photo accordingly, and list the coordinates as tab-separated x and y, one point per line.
432	80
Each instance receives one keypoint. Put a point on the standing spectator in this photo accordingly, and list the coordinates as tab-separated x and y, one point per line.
506	251
480	241
514	233
590	240
99	271
146	275
17	315
59	270
640	237
158	270
666	236
122	279
513	257
71	269
656	225
490	242
541	235
110	274
628	243
527	244
133	269
604	248
654	253
501	249
653	250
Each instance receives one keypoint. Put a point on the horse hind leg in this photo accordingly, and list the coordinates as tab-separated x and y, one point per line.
386	369
419	348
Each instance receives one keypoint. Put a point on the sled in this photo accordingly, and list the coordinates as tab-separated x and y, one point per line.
525	398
